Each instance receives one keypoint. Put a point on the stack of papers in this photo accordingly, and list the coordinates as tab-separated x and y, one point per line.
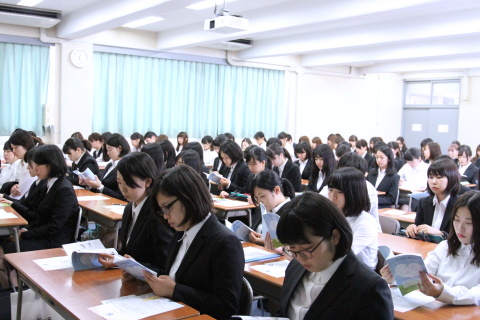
92	198
273	269
255	254
395	212
7	215
412	300
116	208
134	307
55	263
229	203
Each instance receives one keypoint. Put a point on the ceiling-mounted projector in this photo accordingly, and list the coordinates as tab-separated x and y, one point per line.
226	24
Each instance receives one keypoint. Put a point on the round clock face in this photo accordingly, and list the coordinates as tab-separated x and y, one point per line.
79	58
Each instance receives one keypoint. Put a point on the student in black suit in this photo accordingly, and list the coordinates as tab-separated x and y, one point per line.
397	155
434	212
143	236
117	147
305	160
284	166
236	173
325	164
217	162
168	153
154	150
57	212
197	147
467	169
319	238
81	159
206	261
362	149
384	177
191	159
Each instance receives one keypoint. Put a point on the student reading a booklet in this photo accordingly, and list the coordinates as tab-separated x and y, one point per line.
272	193
326	280
206	261
454	266
81	159
143	236
236	174
348	190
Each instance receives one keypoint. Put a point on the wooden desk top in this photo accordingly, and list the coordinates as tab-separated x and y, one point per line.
201	317
242	205
381	193
97	206
257	274
408	217
13	222
445	312
409	190
76	291
401	245
305	182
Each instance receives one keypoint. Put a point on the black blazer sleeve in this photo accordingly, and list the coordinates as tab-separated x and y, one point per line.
110	185
426	210
307	171
26	205
389	185
87	161
471	174
209	278
56	215
291	172
150	239
239	179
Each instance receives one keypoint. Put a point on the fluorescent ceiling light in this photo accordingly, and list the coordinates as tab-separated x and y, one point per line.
142	22
29	3
206	4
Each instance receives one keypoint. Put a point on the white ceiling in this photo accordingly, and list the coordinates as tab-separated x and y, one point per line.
372	35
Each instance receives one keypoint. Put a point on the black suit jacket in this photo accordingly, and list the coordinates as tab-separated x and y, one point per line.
399	164
471	174
26	206
110	184
307	171
370	160
56	214
291	172
86	161
389	184
354	292
149	240
239	178
426	209
312	184
209	277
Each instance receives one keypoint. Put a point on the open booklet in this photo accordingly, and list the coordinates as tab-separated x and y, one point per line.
241	230
214	177
86	175
270	221
406	271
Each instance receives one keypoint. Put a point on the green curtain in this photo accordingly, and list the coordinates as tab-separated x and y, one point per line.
23	86
134	93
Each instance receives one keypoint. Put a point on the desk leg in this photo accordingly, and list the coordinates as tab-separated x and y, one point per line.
250	218
115	240
20	295
17	240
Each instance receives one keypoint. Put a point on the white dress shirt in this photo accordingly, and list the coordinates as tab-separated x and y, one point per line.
439	212
303	164
24	180
308	290
462	169
320	181
9	173
365	238
380	175
280	168
114	164
135	212
461	278
414	178
187	239
50	183
209	156
263	145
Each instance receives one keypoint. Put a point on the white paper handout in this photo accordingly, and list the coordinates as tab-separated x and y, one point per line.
92	198
412	300
254	254
117	208
229	203
86	175
84	245
394	212
7	215
55	263
274	269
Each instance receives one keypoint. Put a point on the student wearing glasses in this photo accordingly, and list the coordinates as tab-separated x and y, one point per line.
326	280
205	264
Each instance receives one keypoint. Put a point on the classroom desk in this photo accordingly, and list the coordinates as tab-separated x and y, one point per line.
401	245
13	223
304	185
406	217
445	312
262	283
223	210
381	193
95	211
71	292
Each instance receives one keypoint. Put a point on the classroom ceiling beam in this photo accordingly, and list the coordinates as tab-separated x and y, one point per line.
300	16
108	14
423	65
450	47
443	25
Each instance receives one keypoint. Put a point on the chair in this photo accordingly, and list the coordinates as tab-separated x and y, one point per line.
246	298
389	225
79	219
380	262
416	196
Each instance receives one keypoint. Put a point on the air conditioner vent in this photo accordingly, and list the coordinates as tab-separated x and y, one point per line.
26	16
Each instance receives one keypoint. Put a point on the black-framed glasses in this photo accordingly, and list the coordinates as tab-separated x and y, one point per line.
167	208
304	254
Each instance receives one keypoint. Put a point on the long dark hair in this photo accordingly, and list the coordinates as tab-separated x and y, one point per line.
137	164
329	163
168	153
154	150
391	162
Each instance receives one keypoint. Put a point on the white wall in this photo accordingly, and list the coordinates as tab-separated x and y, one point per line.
469	115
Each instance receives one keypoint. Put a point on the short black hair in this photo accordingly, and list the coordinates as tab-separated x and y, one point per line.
221	138
259	135
273	140
362	143
304	147
465	150
184	183
276	149
95	136
282	135
313	214
445	167
352	183
6	146
208	139
197	147
232	150
74	144
52	156
391	161
22	138
341	150
425	142
168	153
353	160
154	150
191	159
257	153
150	134
117	140
137	164
412	153
229	136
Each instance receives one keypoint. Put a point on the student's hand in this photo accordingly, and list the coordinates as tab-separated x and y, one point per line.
106	260
15	191
162	286
20	232
387	274
94	183
224	182
249	200
400	182
127	276
223	194
430	285
6	201
269	245
426	229
81	182
256	238
1	195
412	231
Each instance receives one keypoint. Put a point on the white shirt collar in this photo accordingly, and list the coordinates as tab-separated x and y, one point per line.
280	168
443	203
279	206
50	183
137	208
76	162
192	232
322	277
